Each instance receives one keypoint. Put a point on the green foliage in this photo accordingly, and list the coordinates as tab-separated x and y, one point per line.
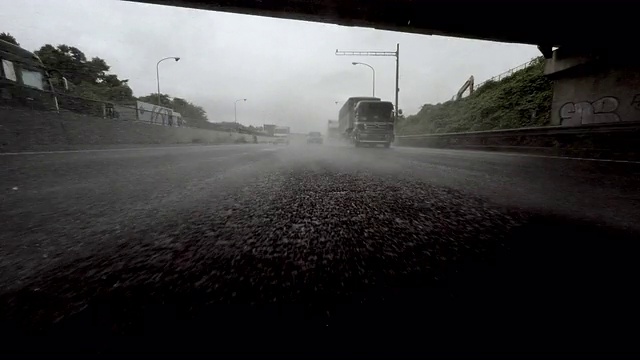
89	78
9	38
189	110
520	100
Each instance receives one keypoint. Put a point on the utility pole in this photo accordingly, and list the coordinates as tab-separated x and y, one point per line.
380	53
397	79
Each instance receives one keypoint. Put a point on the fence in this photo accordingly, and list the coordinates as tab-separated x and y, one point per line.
17	95
140	111
13	94
509	72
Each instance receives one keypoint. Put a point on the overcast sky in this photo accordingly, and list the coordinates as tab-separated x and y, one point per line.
286	69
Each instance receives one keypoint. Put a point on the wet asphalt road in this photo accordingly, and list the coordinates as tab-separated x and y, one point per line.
311	248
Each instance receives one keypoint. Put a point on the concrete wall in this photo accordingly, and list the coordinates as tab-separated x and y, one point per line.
589	90
24	129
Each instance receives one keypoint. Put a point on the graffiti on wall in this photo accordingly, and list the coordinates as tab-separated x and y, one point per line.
602	110
635	103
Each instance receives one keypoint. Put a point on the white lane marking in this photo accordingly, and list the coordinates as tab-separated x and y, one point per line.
107	150
218	158
478	152
573	158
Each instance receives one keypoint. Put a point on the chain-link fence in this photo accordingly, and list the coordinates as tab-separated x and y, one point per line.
505	74
133	111
13	94
509	72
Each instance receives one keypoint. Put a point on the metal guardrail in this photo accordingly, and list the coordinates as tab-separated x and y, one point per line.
536	131
608	141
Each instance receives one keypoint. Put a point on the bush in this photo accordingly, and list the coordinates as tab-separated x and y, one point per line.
520	100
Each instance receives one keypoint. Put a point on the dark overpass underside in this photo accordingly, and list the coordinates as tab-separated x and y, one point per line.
546	23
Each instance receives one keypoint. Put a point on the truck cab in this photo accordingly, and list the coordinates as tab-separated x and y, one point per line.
373	123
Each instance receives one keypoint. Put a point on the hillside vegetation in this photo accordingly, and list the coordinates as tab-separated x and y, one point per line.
520	100
91	78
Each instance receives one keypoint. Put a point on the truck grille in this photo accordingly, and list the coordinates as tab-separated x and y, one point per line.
377	127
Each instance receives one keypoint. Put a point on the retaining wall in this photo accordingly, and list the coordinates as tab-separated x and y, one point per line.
26	129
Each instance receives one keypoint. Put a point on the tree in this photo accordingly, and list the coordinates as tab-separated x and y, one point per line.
90	78
165	100
189	110
9	38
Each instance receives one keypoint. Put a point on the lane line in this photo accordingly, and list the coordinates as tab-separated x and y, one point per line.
453	151
573	158
107	150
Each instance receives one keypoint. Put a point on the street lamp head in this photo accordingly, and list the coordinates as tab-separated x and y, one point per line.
177	58
244	99
354	63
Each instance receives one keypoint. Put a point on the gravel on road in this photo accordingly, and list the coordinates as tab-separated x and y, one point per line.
311	247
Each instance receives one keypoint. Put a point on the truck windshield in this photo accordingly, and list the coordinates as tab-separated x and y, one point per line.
375	111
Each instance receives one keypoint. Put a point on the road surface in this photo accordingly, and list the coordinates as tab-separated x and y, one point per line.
291	247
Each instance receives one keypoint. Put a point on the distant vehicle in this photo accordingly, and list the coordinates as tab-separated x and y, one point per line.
314	137
25	80
333	129
281	135
367	121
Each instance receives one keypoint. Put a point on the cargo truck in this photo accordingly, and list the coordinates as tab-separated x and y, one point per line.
367	121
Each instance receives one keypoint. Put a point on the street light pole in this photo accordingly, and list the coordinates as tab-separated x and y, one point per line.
374	75
158	72
395	54
235	110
